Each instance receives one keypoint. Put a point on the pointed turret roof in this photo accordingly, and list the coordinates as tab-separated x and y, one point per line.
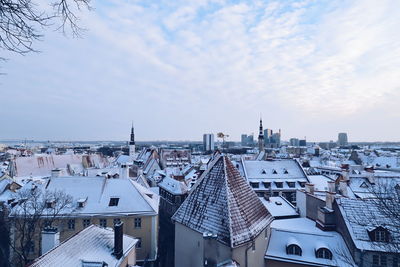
222	203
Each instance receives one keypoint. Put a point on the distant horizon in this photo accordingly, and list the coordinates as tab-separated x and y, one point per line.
169	141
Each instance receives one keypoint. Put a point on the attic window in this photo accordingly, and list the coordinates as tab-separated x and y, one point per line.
379	234
263	171
324	253
293	250
291	184
50	204
285	171
279	184
81	202
267	184
364	185
274	172
255	185
113	201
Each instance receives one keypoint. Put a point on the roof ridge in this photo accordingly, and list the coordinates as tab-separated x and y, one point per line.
228	202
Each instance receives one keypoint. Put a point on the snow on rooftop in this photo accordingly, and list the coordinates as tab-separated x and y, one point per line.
93	244
229	207
304	233
279	207
273	169
133	198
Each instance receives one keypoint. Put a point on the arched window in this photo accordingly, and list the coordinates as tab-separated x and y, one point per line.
293	250
324	253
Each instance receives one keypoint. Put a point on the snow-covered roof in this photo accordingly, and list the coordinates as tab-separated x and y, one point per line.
304	233
222	203
320	182
173	186
93	244
42	164
279	207
363	215
133	198
279	169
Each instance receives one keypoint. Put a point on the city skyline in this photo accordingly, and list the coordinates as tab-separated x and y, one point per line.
183	69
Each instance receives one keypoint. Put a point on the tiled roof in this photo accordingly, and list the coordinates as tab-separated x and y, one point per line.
90	246
223	203
362	216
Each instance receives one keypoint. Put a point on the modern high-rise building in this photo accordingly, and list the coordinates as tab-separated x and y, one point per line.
267	135
247	140
294	141
342	139
208	142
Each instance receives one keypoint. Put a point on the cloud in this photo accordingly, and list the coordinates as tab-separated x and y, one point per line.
190	67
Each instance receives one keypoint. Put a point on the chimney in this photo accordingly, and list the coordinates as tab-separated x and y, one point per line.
331	187
371	177
123	171
118	239
210	252
50	239
55	173
343	188
330	196
310	188
346	175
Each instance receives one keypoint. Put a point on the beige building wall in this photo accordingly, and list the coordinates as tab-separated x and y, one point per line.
273	263
189	249
255	257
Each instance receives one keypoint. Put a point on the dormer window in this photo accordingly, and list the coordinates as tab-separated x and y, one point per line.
364	185
50	204
285	171
267	184
263	171
113	201
324	253
82	202
291	184
379	234
293	250
274	172
254	184
302	184
279	184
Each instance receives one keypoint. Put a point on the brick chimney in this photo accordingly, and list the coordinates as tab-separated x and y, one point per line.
118	240
310	188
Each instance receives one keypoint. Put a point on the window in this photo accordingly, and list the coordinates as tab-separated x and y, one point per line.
293	250
47	223
302	184
285	171
380	236
279	184
113	201
396	262
86	223
291	184
255	185
274	172
324	253
139	243
116	221
379	260
138	222
103	223
267	184
71	224
50	204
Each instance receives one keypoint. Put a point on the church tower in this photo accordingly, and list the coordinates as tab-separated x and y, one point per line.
261	137
132	143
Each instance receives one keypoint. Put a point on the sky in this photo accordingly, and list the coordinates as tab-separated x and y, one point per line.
179	69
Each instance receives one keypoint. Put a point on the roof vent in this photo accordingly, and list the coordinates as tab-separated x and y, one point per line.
278	203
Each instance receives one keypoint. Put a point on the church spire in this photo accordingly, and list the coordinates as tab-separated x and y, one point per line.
132	142
261	137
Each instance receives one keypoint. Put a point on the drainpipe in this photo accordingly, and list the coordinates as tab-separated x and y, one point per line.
245	255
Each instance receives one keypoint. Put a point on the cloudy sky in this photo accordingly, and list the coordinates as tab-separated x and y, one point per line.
179	69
